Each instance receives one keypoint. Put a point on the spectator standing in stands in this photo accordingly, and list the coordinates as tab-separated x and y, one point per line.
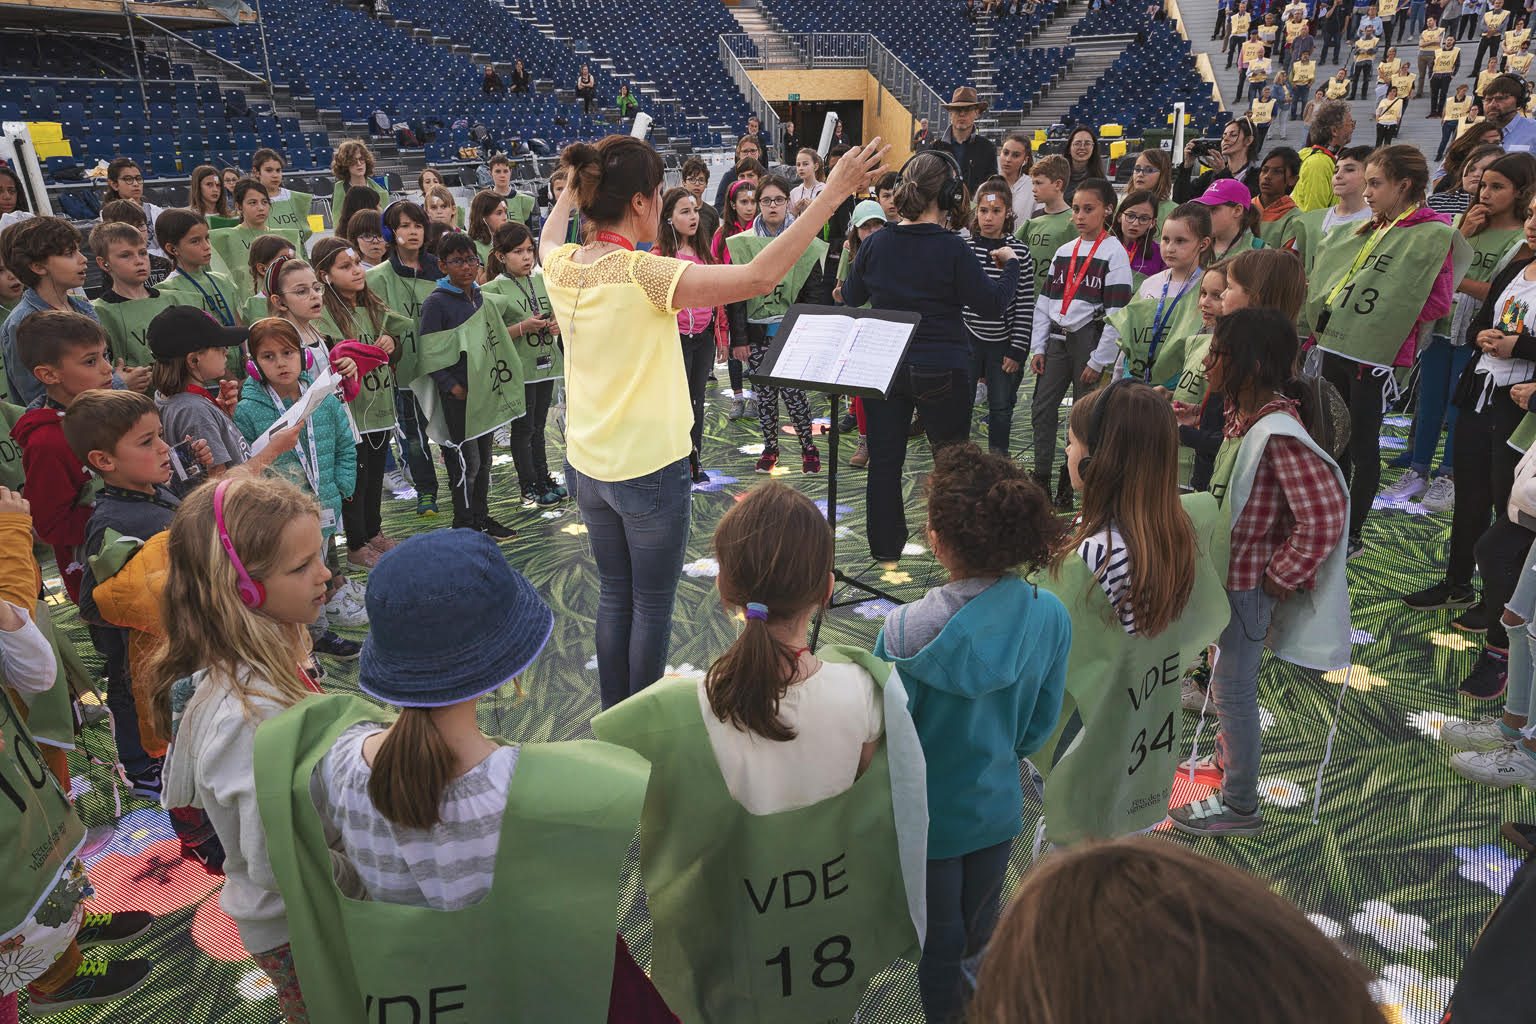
1493	21
1365	62
1330	130
1223	9
1303	74
1429	43
1389	114
586	88
920	137
1443	65
522	82
1301	48
755	131
976	155
1013	163
1334	22
1452	112
1237	30
491	84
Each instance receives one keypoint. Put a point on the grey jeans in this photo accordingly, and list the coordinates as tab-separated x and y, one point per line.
1065	359
1235	692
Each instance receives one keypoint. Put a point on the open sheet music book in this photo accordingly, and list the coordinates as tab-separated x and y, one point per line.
839	350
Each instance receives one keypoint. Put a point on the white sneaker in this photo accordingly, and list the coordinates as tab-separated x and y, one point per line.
981	391
1502	768
1408	486
1441	496
1482	735
346	608
395	482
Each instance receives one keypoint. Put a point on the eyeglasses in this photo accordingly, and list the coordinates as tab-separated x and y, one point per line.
1139	169
462	261
314	289
370	238
697	179
131	179
773	203
1137	218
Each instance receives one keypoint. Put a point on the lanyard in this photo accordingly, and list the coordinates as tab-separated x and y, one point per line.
1160	321
312	467
216	300
1074	275
1365	253
123	494
615	238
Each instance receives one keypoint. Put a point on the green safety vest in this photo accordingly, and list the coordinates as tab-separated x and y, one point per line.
234	247
784	917
293	213
1524	434
1491	251
219	297
1044	235
1135	323
1311	627
374	407
44	834
404	295
1372	314
1115	776
127	325
760	308
543	356
495	372
541	941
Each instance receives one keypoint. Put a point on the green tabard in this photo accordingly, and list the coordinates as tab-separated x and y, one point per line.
764	919
403	295
293	213
1134	322
495	392
11	474
127	325
1373	313
518	300
339	197
42	834
1191	389
1277	234
541	941
214	292
52	720
520	207
234	247
745	246
1116	775
1489	249
1524	433
374	407
1044	235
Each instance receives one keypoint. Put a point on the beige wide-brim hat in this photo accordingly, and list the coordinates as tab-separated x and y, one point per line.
964	97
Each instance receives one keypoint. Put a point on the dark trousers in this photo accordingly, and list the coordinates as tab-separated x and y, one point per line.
940	395
1439	90
1066	356
469	466
1501	552
360	514
1385	133
963	898
1002	391
1330	39
588	98
735	368
1233	45
1360	81
415	445
1447	136
698	360
1466	28
1221	24
527	434
112	644
1485	472
1361	388
1487	46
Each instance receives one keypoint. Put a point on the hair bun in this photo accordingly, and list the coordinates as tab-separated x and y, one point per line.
580	155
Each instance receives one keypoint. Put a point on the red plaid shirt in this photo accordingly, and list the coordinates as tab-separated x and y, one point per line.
1295	513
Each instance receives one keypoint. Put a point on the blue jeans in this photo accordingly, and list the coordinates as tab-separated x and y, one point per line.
1235	692
963	898
639	533
1299	94
1440	366
1517	699
1330	39
1002	391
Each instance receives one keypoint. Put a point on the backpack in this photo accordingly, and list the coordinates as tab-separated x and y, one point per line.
1323	412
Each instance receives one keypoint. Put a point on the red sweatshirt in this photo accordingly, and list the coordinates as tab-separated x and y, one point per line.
55	481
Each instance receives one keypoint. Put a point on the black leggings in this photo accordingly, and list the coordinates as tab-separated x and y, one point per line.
1501	555
1485	472
527	434
698	360
1361	387
360	515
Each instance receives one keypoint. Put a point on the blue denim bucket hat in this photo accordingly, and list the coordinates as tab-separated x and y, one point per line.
449	620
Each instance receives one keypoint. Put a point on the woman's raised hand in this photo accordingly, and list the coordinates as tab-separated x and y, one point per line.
857	170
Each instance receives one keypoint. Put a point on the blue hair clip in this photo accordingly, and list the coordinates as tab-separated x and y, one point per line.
757	611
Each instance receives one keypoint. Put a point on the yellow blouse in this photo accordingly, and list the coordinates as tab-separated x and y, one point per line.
627	407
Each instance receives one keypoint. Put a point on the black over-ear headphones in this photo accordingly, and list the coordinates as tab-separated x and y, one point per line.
1523	97
1096	424
952	193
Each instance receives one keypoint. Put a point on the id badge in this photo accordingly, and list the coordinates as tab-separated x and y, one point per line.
327	519
543	362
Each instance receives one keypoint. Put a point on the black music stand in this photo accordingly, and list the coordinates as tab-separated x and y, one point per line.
796	359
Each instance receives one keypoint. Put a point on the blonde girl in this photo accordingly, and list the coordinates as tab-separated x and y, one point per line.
246	573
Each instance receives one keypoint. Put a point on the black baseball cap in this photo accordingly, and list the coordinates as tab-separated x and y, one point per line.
178	331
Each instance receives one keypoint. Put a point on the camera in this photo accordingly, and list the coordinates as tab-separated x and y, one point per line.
1204	148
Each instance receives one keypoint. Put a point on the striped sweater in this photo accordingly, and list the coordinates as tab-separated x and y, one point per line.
1014	327
1106	285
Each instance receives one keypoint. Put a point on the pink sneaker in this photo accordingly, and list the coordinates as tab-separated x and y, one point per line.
382	543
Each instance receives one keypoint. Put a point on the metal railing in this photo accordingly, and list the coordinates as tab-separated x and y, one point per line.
758	104
788	50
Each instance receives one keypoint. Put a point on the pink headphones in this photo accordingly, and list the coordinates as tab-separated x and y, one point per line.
254	372
252	593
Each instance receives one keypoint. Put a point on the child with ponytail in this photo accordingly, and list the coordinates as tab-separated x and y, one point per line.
264	252
985	659
771	728
246	573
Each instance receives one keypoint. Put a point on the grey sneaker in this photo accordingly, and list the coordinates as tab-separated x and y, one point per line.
738	409
1211	817
1486	733
1441	496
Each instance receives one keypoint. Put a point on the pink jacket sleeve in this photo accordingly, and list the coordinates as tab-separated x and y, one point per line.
1436	306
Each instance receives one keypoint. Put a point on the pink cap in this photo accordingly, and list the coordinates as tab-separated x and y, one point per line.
1226	190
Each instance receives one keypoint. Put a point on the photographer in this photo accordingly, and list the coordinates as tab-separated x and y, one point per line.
1235	156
